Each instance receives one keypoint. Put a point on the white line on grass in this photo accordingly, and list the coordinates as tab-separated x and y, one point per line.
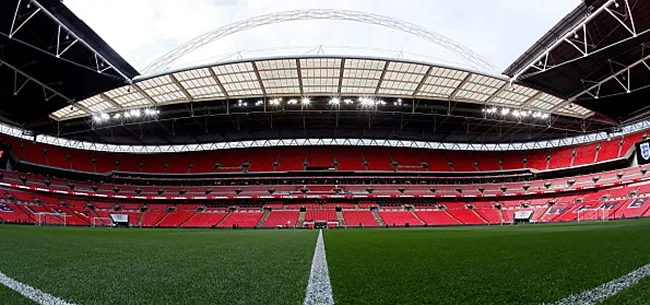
34	294
319	289
609	289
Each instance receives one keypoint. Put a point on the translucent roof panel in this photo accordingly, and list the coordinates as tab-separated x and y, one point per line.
320	76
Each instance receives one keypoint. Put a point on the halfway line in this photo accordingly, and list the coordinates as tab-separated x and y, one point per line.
34	294
609	289
319	288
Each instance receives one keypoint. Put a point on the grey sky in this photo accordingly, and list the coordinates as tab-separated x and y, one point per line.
142	30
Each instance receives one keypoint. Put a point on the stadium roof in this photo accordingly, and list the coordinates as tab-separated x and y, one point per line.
321	76
49	58
596	57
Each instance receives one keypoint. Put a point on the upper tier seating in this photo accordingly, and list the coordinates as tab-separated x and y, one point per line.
347	158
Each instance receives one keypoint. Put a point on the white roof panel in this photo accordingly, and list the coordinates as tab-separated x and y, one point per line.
321	76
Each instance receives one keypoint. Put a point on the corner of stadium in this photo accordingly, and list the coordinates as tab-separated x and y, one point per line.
322	179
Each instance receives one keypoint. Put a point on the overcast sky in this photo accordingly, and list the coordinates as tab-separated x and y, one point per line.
143	30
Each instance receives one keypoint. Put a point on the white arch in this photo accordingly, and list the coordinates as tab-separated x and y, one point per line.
162	63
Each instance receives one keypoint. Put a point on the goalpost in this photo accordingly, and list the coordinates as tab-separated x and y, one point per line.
598	214
101	222
51	219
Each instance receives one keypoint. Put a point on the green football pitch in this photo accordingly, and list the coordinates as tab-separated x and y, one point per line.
532	264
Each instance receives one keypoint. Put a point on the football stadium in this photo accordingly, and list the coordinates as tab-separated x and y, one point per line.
325	177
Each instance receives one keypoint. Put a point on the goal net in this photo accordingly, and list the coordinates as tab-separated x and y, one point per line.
51	219
101	222
592	215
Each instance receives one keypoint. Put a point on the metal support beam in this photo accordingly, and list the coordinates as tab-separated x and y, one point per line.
422	81
27	76
219	84
178	84
302	91
341	76
578	38
91	49
594	90
143	93
381	77
259	78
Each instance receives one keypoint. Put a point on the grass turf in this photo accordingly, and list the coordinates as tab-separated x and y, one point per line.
464	265
122	266
481	265
10	297
637	295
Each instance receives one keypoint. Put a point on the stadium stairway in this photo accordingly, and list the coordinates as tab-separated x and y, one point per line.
454	217
188	219
264	217
161	220
377	218
301	219
481	217
418	217
339	216
222	220
503	219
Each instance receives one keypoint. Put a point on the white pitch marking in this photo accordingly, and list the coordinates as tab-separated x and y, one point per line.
607	290
319	288
34	294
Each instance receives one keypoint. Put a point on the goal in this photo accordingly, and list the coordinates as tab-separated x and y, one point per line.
101	222
592	215
45	218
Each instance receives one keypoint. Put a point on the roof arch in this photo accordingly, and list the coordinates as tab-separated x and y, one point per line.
161	64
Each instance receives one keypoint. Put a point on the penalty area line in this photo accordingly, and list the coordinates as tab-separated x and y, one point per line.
319	288
34	294
607	290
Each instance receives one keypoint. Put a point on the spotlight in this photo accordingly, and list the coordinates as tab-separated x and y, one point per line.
348	101
104	116
305	101
292	101
335	101
97	118
135	113
275	101
516	113
505	111
127	114
381	102
483	110
259	103
545	116
117	116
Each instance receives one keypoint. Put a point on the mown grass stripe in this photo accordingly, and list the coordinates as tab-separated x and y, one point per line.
607	290
31	293
319	288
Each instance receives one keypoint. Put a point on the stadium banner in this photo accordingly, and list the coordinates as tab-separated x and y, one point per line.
120	218
523	215
643	152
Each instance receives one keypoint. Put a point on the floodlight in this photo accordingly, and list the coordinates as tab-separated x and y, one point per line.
259	103
292	101
545	116
135	112
275	101
348	101
104	116
305	101
516	113
335	101
127	114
